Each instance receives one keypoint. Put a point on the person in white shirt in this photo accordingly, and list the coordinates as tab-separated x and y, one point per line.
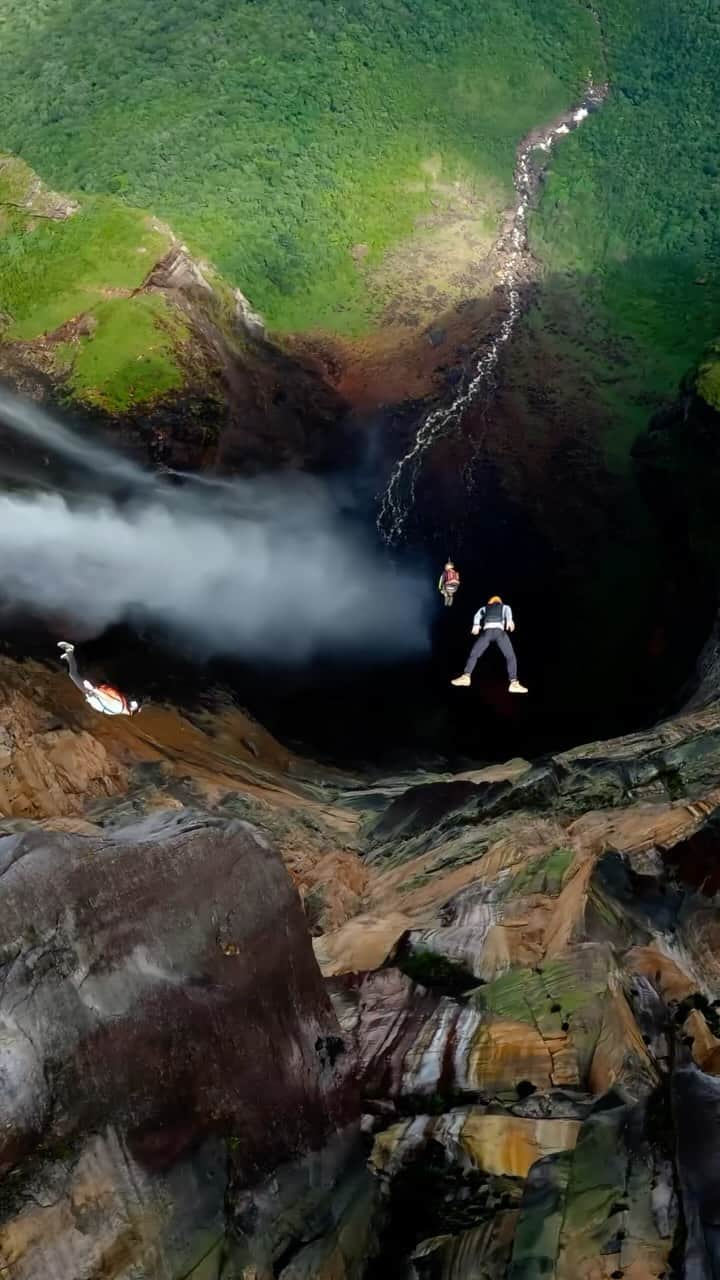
491	623
104	698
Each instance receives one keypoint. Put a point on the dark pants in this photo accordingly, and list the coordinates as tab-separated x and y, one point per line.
504	644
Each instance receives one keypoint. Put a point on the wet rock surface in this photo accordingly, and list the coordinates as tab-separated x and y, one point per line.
160	1007
541	1011
521	977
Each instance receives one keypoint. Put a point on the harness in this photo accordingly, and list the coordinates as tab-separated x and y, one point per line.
107	700
494	619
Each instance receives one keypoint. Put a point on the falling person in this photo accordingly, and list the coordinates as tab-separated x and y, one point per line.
491	623
449	583
101	697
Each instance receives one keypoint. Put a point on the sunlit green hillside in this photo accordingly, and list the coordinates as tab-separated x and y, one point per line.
276	134
628	227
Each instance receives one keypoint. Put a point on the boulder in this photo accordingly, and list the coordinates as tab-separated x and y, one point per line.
161	1008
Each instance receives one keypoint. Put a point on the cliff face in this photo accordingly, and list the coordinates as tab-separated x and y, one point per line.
499	1055
531	991
192	381
109	313
166	1039
522	965
151	1023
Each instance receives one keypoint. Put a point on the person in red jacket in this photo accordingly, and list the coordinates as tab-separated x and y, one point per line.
449	583
104	698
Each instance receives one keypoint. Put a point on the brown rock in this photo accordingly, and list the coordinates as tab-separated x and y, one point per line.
621	1056
505	1052
705	1046
363	943
496	1144
159	1001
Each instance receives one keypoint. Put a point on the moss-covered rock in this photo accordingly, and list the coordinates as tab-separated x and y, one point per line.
545	875
549	995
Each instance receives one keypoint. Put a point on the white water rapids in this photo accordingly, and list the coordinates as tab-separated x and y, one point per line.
514	253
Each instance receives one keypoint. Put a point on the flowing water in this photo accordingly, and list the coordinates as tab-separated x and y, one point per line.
532	159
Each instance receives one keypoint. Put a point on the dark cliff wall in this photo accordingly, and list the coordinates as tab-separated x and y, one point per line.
160	1007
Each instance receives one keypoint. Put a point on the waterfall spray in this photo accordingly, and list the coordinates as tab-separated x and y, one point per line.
266	566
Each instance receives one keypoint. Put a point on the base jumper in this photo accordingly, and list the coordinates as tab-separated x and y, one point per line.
449	583
491	623
101	697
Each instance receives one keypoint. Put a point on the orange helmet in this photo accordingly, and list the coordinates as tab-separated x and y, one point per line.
495	600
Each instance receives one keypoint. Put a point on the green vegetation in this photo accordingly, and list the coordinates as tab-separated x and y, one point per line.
708	379
627	228
432	969
131	356
543	876
546	996
274	137
54	270
59	263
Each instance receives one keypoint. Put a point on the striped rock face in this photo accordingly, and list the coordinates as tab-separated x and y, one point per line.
509	1070
531	987
152	1032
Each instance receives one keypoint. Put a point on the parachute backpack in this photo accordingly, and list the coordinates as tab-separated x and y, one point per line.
109	701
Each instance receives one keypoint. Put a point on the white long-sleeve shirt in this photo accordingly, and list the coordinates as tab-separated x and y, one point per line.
505	625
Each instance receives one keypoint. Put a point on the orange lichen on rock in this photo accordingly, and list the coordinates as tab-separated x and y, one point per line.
705	1046
504	1052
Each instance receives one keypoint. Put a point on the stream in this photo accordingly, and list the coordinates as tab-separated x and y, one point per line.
533	157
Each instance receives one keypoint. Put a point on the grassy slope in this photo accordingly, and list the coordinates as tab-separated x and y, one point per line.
274	136
52	271
130	358
628	224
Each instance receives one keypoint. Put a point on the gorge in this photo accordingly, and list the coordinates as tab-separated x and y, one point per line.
514	271
318	968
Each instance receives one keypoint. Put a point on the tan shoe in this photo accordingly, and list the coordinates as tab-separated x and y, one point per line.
516	687
462	681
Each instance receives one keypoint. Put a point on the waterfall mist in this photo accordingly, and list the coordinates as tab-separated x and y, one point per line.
266	567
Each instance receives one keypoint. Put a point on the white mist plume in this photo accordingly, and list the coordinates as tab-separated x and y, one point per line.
264	567
28	420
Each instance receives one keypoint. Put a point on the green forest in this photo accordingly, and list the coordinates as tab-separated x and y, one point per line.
89	264
628	228
274	136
